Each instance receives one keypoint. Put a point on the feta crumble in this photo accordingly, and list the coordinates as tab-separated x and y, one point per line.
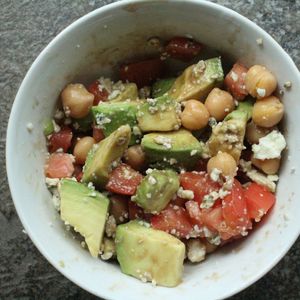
185	194
29	127
152	180
261	92
196	250
215	174
162	140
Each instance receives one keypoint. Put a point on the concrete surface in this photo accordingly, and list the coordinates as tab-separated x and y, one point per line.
26	27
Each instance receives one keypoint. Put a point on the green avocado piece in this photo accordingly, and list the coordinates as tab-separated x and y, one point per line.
245	106
159	114
162	86
85	209
149	254
198	80
130	92
48	127
176	149
99	161
110	116
156	190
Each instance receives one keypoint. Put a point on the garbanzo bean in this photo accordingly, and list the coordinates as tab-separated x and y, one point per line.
135	157
219	104
76	100
267	112
254	133
224	162
268	166
195	115
260	82
81	149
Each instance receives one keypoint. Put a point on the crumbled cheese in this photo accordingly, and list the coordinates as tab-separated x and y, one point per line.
215	240
173	161
212	122
185	194
136	130
149	171
199	68
52	182
215	174
67	111
209	200
196	250
234	76
194	152
107	255
55	126
110	226
29	127
162	140
59	114
152	180
101	120
287	84
261	92
114	94
269	146
259	41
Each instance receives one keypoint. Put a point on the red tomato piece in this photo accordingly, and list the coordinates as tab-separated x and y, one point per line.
234	208
142	73
98	91
183	48
98	134
235	81
124	180
259	200
174	220
179	201
61	139
198	182
59	165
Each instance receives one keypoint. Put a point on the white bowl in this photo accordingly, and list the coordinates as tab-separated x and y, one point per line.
93	46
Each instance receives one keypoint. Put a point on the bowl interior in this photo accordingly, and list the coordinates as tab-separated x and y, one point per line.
94	46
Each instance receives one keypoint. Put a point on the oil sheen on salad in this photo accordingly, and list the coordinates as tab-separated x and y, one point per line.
165	167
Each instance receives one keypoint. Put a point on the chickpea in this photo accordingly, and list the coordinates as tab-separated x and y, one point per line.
119	208
254	133
267	112
260	82
195	115
135	157
268	166
82	148
219	104
76	100
223	162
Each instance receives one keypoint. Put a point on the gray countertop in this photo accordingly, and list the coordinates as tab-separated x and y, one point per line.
26	27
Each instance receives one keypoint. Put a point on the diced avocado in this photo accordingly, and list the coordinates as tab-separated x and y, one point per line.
129	92
159	114
84	124
85	209
156	190
198	80
228	136
162	86
245	106
48	127
111	116
149	254
108	248
99	161
176	148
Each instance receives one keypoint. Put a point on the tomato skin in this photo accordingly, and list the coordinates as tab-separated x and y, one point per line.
198	182
124	180
142	73
194	212
236	86
100	94
98	134
259	200
61	139
59	165
179	201
183	48
234	208
173	219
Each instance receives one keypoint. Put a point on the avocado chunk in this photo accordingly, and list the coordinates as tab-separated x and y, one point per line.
99	162
228	136
149	254
159	114
110	116
156	190
129	91
198	80
162	86
85	209
176	149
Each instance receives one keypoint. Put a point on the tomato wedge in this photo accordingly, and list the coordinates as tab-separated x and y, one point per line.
142	73
198	182
183	48
234	208
60	140
174	220
259	200
59	165
124	180
100	93
235	81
